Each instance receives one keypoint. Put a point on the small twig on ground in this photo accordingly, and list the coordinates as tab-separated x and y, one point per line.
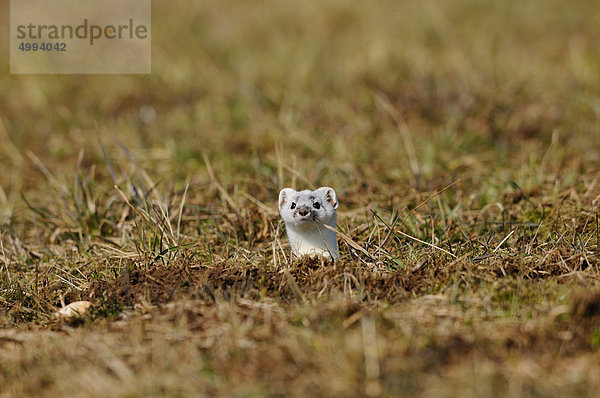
503	240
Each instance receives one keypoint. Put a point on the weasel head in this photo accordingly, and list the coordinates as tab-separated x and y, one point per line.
302	209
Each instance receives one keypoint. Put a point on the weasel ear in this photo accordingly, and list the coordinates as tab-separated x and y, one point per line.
285	196
330	196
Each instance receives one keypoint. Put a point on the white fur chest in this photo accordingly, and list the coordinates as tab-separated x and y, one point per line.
315	241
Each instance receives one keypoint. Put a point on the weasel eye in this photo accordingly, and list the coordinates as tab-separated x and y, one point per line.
317	205
293	206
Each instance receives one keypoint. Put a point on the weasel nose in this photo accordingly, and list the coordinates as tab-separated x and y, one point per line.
303	212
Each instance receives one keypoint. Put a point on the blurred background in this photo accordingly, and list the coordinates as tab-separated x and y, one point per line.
397	93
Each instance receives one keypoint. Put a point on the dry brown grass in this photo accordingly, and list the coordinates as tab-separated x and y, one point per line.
462	139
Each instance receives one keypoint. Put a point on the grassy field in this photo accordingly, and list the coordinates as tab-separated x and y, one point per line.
472	126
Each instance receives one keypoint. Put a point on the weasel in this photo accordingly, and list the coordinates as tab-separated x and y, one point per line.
305	213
